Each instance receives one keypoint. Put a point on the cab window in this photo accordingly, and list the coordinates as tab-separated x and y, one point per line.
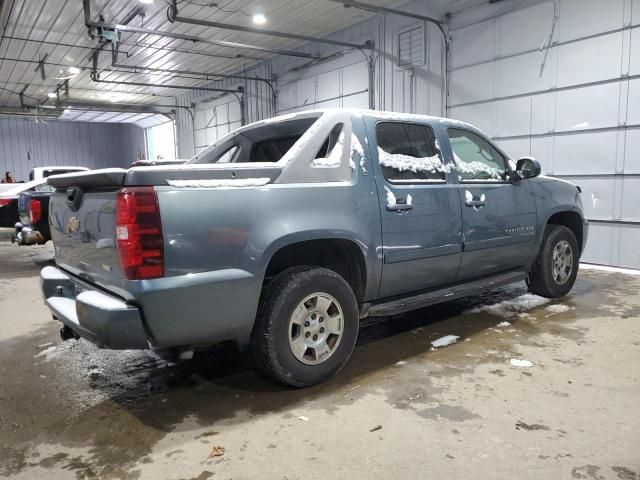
475	158
408	153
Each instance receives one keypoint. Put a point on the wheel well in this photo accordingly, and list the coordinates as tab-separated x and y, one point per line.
342	256
572	221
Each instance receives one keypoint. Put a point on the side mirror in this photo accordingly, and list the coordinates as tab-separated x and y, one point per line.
528	167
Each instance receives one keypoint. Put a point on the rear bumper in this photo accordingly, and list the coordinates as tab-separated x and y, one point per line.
107	321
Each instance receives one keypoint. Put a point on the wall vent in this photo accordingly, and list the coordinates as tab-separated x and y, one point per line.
411	47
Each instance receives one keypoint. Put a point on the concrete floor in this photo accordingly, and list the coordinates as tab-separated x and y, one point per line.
399	410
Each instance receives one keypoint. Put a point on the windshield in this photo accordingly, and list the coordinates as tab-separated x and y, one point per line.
266	142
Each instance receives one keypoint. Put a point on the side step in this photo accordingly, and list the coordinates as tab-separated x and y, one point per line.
402	305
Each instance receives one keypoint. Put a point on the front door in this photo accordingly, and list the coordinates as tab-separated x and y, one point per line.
420	209
498	216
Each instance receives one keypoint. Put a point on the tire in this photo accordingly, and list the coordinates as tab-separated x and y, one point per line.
279	339
550	276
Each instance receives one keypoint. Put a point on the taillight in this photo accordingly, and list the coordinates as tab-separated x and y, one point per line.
5	201
35	211
139	233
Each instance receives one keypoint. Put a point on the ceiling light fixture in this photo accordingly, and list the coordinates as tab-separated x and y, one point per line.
52	95
74	70
146	1
259	19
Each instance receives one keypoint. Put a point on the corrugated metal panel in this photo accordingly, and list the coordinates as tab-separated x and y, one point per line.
575	107
25	144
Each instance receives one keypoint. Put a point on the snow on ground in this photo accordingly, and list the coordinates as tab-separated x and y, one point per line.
51	353
503	324
517	362
444	341
509	308
557	308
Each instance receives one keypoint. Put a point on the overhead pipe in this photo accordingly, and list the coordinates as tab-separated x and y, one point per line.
157	85
54	44
172	15
101	26
183	50
269	83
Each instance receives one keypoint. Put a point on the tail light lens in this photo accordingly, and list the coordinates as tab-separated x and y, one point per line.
139	233
5	201
35	211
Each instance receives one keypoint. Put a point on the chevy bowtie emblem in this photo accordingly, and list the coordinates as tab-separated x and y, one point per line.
73	225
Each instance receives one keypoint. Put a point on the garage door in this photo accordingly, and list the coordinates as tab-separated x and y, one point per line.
214	119
577	109
340	83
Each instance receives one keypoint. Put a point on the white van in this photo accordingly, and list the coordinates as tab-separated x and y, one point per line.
43	172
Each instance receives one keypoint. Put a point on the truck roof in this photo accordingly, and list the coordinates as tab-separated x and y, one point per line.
379	114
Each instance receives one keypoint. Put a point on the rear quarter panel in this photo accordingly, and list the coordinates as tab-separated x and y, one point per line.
223	239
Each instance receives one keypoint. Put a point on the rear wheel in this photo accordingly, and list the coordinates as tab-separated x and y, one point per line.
554	272
307	326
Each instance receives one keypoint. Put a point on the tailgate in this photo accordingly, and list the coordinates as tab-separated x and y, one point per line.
82	217
23	207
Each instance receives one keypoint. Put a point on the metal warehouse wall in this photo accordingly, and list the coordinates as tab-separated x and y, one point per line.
25	144
339	80
575	106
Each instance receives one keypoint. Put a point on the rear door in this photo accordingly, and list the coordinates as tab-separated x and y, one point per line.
498	216
420	209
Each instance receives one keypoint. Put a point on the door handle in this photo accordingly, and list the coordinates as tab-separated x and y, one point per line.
399	207
470	201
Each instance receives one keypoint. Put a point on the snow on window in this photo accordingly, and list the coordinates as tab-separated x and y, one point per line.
407	152
476	170
220	183
405	163
475	157
334	159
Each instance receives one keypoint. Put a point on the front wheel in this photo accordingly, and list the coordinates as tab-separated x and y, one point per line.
306	327
554	271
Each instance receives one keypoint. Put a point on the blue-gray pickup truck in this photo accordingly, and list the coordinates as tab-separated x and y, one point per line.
287	232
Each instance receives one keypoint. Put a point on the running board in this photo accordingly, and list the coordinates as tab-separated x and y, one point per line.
402	305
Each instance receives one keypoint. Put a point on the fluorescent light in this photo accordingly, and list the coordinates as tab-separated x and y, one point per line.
259	19
146	1
52	95
74	70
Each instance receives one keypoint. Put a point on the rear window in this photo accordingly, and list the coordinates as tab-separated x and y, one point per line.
263	143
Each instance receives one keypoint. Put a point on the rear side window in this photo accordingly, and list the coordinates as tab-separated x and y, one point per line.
408	153
268	142
45	187
475	158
